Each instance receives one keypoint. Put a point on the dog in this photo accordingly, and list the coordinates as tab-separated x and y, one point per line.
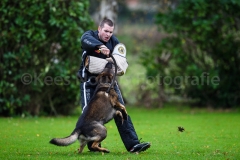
101	109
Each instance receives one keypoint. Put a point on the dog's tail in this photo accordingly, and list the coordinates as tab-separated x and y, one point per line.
65	141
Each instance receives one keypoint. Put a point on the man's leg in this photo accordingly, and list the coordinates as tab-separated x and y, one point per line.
87	90
127	131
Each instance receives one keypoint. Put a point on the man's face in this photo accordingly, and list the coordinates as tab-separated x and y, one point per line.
105	33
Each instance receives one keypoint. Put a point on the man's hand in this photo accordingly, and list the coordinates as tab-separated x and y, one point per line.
104	50
109	60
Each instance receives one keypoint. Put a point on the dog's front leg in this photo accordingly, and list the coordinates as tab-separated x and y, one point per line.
120	114
123	110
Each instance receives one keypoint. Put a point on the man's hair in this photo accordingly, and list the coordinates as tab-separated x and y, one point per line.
106	21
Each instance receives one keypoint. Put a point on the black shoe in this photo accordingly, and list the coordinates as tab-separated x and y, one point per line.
140	147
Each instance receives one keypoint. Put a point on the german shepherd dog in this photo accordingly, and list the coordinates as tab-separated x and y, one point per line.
102	108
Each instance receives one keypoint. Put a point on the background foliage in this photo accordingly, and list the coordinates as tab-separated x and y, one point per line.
40	55
40	43
203	39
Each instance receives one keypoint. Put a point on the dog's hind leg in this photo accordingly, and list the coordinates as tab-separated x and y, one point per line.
100	135
82	145
95	145
81	148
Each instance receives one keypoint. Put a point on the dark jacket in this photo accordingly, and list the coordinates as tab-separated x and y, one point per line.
89	43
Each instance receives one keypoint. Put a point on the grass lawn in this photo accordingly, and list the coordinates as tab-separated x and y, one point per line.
208	135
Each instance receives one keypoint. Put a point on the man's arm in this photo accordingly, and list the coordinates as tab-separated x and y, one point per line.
89	42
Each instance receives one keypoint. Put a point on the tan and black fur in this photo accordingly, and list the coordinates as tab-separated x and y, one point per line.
101	109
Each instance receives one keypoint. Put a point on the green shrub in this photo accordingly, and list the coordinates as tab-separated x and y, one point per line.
40	55
204	45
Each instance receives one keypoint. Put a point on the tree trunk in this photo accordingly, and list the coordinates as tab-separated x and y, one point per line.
108	9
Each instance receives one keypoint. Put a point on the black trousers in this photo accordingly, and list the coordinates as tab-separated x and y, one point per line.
126	130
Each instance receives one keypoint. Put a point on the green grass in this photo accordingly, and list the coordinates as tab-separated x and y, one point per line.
208	135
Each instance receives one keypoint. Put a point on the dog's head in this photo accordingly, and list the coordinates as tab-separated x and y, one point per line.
106	76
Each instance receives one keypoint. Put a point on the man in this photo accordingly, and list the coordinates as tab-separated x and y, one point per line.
104	40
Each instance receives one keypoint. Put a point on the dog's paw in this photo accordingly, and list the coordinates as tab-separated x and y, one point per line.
106	151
